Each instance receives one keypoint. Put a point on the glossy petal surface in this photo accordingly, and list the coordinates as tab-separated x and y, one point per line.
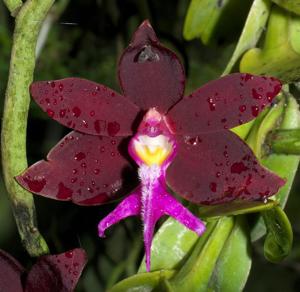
150	74
86	169
56	272
215	168
223	103
10	274
85	106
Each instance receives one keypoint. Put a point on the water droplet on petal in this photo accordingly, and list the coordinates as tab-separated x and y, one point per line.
238	167
113	128
50	113
213	187
76	111
69	254
212	105
242	108
79	156
62	113
255	110
255	94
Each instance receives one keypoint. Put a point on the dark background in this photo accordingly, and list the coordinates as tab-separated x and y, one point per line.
85	40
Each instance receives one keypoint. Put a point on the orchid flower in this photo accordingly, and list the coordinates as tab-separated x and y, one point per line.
50	273
176	142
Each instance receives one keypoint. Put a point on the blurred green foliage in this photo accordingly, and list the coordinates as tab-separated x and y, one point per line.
86	41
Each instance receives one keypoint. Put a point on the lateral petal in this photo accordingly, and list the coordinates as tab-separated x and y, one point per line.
87	169
215	168
223	104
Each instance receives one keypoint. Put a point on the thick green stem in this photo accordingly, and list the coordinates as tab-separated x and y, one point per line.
17	99
285	141
13	6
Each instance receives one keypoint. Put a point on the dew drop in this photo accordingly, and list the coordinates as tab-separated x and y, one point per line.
62	113
85	124
213	187
73	180
192	140
50	113
238	167
255	111
96	171
211	104
242	108
113	128
79	156
76	111
255	94
69	254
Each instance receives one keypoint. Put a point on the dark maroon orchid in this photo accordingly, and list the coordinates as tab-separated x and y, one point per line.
50	273
181	142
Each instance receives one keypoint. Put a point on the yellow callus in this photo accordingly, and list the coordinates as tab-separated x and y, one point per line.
153	150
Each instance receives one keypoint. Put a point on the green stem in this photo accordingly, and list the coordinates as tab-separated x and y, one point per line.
13	6
28	22
285	141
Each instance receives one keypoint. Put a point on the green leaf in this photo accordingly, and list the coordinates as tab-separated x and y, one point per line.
282	164
243	130
285	141
171	244
279	239
201	19
144	282
195	274
285	165
262	126
234	263
252	31
280	55
235	208
290	5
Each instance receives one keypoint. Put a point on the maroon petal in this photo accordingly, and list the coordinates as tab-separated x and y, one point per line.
56	272
215	168
150	74
86	169
10	273
85	106
224	103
